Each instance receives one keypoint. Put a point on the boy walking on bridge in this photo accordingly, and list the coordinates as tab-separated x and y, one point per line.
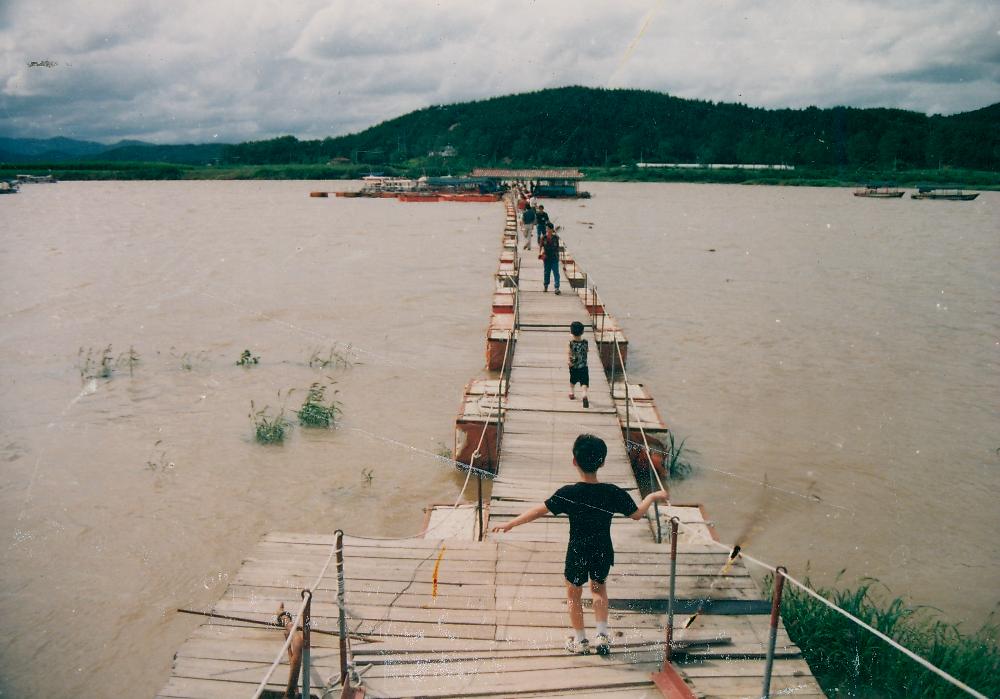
590	505
579	373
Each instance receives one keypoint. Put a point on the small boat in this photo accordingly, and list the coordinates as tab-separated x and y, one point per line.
419	197
946	194
879	190
8	187
36	179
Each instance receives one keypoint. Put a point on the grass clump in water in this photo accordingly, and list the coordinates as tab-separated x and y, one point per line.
247	359
849	661
315	411
322	359
95	364
269	428
675	463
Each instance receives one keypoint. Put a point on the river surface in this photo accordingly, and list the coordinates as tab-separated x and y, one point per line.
831	361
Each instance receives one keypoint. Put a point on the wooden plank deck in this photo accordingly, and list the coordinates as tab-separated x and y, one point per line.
450	616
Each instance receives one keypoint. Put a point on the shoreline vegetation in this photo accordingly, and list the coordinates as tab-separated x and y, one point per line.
801	176
849	661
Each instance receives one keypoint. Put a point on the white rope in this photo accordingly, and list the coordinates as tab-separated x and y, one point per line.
296	622
805	496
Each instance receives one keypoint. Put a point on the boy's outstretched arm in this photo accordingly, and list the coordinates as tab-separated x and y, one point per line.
523	518
647	502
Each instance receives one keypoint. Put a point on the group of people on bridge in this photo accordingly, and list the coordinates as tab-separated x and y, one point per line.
535	222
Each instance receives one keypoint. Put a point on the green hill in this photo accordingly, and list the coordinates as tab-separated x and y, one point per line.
596	127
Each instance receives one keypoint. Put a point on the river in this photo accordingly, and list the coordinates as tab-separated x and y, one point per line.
831	361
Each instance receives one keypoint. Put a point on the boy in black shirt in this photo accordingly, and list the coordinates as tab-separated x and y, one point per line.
590	554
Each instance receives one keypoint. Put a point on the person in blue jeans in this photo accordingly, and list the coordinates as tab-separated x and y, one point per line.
541	223
550	254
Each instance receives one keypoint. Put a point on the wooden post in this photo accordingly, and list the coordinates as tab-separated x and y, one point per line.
779	583
674	521
340	608
479	507
306	622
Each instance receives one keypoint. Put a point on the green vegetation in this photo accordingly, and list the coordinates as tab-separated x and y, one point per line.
676	465
601	128
268	428
604	131
247	359
849	661
95	364
315	411
129	359
334	358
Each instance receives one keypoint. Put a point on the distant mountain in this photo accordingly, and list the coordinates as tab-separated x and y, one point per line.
189	154
61	150
589	126
27	150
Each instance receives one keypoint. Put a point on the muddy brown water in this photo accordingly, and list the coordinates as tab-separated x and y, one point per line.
832	361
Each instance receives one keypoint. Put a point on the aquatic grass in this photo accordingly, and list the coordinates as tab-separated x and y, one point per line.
129	359
849	661
315	411
322	359
247	359
269	428
676	464
94	364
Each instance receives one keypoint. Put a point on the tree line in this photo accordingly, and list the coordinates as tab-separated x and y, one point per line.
598	127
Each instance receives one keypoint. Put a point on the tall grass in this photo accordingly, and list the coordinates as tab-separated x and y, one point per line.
849	661
315	411
269	428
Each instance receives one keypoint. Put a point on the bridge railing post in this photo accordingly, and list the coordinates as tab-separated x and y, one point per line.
341	612
779	583
306	623
674	521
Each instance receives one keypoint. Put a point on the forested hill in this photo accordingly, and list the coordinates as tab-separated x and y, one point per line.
588	126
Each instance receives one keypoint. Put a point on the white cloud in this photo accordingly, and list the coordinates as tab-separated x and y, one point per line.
186	70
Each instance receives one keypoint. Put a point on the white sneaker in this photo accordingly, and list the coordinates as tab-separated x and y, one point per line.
577	647
603	644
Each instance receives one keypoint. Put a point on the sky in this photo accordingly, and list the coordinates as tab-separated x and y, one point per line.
201	71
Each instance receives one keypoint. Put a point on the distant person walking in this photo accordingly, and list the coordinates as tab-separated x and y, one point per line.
528	218
541	221
550	254
579	373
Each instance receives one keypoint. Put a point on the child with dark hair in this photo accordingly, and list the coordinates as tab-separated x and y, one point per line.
590	505
577	357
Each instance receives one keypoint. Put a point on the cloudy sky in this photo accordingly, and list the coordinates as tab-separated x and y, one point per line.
204	70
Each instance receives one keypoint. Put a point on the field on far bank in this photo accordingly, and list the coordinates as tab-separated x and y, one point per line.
801	176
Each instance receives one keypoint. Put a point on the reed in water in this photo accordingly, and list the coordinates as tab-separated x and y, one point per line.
849	661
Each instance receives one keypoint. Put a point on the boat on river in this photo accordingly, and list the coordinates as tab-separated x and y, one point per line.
946	194
879	190
8	187
36	179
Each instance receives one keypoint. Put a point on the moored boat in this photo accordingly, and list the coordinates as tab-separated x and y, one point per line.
879	190
944	194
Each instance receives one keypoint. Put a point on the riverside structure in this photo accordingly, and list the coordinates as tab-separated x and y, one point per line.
455	611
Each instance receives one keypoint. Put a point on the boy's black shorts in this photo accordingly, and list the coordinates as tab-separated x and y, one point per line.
579	376
580	567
